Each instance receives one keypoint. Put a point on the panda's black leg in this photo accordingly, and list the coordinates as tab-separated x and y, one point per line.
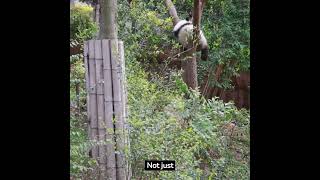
204	54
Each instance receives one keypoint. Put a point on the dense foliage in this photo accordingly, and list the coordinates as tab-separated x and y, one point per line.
166	125
226	24
81	25
206	138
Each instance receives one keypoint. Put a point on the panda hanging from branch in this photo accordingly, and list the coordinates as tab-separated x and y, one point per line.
183	31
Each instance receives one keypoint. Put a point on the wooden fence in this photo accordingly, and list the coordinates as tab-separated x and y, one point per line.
106	104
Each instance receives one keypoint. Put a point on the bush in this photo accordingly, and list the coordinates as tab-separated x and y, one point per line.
165	125
82	27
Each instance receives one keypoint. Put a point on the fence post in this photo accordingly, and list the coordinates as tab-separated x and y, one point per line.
106	106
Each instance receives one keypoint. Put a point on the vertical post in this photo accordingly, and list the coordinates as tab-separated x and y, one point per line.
110	151
92	91
86	66
117	105
124	105
100	108
105	83
93	99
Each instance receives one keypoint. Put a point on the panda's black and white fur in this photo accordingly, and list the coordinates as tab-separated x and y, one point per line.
183	31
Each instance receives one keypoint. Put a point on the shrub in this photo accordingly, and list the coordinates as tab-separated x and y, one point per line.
82	27
165	125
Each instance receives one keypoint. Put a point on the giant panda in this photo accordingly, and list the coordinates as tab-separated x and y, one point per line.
183	31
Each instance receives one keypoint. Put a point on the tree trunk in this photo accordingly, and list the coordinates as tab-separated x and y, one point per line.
190	64
108	14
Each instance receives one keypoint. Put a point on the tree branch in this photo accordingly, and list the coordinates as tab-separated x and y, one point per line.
172	12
